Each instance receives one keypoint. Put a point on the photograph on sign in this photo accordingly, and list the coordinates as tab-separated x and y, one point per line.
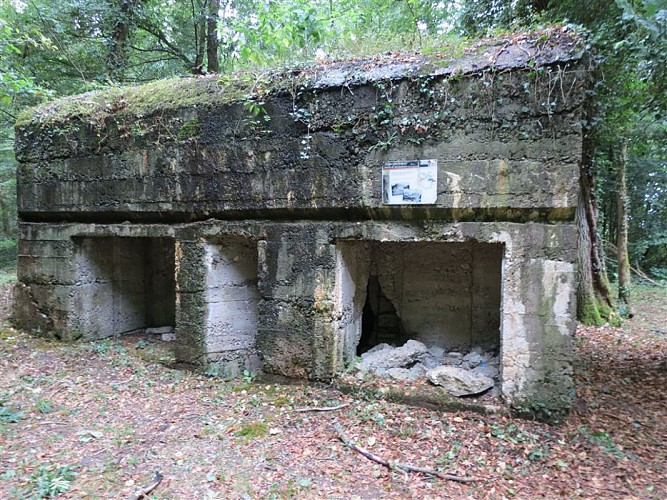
413	182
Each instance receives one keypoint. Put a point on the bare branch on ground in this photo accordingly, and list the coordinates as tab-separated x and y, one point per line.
145	490
404	468
323	408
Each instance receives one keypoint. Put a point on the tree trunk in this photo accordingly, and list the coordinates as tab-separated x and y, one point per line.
4	216
622	227
212	41
120	34
199	24
594	305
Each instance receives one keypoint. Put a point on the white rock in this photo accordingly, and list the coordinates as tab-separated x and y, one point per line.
473	359
376	348
459	382
159	330
436	351
404	374
399	357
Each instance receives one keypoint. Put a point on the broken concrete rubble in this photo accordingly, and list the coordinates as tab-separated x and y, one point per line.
459	382
460	375
381	360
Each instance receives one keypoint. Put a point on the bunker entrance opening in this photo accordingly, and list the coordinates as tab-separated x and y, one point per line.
125	285
445	295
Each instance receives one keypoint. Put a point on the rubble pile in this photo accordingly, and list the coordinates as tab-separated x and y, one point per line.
459	373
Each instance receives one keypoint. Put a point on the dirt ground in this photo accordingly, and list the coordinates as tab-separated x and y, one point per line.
97	420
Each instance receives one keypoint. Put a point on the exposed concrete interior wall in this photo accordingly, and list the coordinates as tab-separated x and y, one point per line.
123	285
353	260
159	282
380	321
232	299
442	294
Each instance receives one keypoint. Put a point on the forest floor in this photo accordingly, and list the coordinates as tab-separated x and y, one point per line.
98	419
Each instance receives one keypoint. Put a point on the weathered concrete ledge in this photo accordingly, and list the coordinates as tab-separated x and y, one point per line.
256	215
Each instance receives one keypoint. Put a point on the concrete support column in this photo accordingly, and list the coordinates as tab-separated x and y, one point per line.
191	310
296	279
538	304
46	279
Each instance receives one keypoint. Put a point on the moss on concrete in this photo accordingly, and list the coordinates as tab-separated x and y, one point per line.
157	96
190	129
550	46
420	396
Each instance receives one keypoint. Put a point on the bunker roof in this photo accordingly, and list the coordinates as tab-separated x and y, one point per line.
521	51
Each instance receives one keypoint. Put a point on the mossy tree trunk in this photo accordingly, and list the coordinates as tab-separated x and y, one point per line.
594	304
622	227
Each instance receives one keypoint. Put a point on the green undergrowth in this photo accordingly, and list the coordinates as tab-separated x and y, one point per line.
8	275
253	430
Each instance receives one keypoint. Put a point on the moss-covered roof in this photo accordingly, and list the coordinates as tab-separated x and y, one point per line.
517	51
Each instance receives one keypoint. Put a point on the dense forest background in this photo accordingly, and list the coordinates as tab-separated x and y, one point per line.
52	49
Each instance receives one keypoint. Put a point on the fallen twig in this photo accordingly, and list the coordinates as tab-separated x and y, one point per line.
404	468
323	408
636	270
609	489
611	415
145	490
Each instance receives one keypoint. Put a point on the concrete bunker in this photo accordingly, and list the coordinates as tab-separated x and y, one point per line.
124	285
445	295
264	240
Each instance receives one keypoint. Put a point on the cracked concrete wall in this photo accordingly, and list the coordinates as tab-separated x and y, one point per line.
353	265
508	147
297	266
446	295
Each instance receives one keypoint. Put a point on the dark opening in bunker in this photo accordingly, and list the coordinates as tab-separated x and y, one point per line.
124	285
445	295
380	322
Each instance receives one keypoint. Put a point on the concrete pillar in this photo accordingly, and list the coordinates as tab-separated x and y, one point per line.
190	264
296	335
537	327
46	279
